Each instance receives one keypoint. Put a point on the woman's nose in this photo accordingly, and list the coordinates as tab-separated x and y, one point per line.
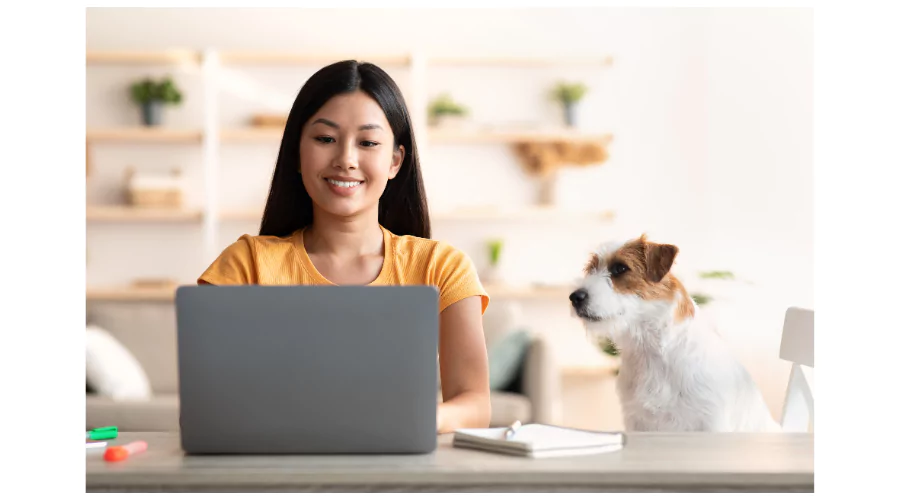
348	158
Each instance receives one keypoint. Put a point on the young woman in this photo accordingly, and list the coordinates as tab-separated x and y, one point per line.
347	206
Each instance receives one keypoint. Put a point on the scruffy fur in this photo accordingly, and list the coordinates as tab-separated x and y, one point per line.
677	373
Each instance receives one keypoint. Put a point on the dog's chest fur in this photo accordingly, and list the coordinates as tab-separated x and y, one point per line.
677	380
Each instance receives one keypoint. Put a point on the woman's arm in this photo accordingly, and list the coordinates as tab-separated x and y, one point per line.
464	368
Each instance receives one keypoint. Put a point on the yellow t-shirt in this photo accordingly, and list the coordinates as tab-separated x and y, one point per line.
408	260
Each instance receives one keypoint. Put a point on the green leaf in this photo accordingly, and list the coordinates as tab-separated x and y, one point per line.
569	92
147	90
495	247
701	298
608	347
445	105
717	275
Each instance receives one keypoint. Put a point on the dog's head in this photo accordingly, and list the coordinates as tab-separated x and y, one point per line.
626	283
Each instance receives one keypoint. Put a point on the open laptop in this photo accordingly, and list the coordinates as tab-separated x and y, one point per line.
307	369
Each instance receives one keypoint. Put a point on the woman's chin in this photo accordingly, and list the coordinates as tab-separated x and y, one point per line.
343	208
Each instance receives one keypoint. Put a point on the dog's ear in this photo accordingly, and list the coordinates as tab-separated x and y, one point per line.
659	258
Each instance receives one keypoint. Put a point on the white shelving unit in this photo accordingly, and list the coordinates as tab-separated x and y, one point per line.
209	136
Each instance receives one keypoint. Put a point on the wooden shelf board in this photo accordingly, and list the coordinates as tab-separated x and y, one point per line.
521	61
299	58
175	56
500	136
144	134
124	213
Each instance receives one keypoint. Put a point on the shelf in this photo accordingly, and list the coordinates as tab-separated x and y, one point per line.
144	134
297	58
489	136
521	61
144	57
487	214
124	213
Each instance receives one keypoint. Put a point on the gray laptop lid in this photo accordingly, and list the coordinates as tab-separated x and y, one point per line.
307	369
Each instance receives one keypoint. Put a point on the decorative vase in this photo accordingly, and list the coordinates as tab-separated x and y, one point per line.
571	111
151	113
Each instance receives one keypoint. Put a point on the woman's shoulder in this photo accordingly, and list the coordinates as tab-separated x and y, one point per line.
417	248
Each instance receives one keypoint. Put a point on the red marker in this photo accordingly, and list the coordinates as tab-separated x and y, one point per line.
117	453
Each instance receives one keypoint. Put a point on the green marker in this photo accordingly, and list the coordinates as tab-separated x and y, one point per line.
102	433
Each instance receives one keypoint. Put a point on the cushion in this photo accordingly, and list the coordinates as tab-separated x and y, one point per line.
505	358
506	408
111	370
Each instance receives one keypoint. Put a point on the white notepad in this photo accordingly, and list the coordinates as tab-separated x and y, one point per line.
539	440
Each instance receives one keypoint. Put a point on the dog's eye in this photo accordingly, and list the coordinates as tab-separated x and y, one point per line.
618	269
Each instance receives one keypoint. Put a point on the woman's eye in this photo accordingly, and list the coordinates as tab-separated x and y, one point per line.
618	269
369	144
325	139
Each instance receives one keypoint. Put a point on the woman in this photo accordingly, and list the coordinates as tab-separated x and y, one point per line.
347	207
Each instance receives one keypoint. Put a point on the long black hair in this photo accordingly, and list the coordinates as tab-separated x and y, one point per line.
402	209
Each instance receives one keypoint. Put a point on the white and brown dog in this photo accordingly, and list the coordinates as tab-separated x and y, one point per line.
676	372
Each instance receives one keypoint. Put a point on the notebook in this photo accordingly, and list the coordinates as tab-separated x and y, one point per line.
539	441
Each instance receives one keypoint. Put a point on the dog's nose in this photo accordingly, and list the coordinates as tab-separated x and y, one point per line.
578	296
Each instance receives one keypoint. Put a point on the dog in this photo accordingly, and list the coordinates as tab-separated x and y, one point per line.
676	373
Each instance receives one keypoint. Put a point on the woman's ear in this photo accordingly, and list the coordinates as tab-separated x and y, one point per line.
396	161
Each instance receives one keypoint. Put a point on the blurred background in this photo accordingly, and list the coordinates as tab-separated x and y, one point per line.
543	133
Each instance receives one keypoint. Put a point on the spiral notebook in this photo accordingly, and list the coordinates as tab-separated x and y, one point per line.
540	440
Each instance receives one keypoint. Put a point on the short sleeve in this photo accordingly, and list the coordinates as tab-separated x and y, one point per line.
236	265
456	278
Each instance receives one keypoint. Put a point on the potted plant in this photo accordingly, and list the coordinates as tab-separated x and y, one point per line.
152	95
569	94
443	110
495	249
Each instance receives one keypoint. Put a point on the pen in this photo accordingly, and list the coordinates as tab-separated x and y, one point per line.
511	430
93	445
101	433
117	453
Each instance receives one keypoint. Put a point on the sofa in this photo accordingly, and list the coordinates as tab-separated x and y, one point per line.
147	330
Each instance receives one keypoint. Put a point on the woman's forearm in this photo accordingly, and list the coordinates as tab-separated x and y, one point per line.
466	410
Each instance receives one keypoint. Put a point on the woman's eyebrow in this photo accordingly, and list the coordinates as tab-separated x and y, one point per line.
330	123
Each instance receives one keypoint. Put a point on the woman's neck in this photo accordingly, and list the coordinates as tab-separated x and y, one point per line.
344	236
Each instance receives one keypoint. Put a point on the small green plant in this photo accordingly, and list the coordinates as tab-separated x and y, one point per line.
494	249
444	105
717	275
148	90
701	298
569	93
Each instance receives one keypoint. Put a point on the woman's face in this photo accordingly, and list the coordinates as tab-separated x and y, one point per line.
347	155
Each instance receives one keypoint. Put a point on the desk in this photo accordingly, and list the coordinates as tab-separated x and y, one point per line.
649	462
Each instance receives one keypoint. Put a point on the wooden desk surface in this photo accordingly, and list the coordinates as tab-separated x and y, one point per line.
649	462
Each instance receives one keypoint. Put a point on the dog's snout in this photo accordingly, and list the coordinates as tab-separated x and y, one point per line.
578	296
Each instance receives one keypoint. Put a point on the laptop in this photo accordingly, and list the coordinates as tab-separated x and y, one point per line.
307	369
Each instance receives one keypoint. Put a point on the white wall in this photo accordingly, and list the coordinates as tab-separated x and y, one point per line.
711	112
